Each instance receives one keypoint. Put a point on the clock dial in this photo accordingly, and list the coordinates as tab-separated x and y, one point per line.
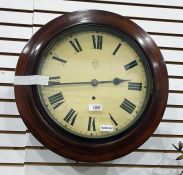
99	81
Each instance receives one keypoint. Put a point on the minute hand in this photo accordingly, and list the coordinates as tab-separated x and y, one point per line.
94	82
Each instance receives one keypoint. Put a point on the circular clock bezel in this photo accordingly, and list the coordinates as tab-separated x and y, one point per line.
106	138
78	148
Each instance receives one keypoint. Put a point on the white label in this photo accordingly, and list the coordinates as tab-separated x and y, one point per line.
95	107
106	127
31	80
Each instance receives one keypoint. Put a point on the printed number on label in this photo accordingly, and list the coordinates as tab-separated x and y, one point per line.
95	107
106	127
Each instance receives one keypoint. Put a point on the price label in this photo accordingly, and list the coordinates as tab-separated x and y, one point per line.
95	107
106	128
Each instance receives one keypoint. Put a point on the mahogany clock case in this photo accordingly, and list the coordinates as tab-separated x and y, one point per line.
59	140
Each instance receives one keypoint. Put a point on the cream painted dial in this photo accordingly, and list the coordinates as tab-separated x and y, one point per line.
99	81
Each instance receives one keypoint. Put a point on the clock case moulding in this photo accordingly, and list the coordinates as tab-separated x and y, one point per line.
69	145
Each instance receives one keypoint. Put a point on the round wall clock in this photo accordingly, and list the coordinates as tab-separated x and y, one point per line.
107	86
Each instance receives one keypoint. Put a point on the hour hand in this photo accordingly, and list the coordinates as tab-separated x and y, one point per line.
117	81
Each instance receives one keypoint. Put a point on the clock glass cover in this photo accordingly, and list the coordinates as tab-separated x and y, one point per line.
99	81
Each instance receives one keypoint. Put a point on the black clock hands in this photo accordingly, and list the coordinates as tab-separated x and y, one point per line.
94	82
115	81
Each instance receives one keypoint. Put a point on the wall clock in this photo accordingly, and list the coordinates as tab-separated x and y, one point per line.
106	91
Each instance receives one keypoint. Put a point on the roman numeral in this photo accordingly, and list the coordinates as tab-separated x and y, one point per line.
54	81
91	124
113	120
134	86
97	41
128	106
59	59
117	48
71	117
131	65
56	100
75	44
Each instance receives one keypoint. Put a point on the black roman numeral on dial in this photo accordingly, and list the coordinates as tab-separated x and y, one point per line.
56	100
91	124
128	106
59	59
116	49
76	45
54	81
71	117
131	65
134	86
113	120
97	41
